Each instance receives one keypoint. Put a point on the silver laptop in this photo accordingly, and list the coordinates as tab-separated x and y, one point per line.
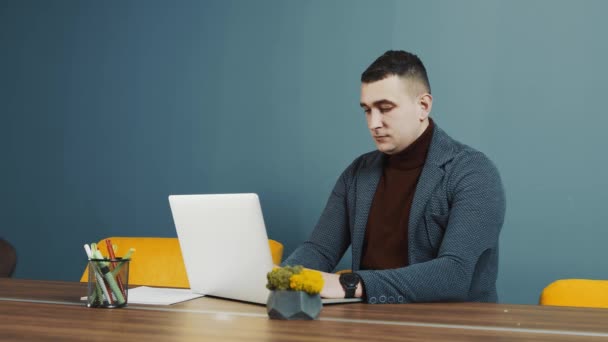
225	246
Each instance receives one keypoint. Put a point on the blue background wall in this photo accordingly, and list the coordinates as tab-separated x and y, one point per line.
108	107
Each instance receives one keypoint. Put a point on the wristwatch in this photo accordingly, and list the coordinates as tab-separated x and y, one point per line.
349	282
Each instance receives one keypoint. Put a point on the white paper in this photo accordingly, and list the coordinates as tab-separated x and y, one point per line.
158	295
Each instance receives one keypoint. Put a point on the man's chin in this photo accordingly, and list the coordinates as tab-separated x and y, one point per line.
387	149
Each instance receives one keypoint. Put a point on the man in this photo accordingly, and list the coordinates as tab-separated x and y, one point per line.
423	212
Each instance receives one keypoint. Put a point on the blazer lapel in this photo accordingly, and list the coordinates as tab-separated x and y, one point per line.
367	182
433	172
431	175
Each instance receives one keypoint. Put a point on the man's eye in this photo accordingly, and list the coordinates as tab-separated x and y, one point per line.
366	111
385	109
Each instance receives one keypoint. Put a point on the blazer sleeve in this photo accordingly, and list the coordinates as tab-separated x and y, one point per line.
475	219
331	236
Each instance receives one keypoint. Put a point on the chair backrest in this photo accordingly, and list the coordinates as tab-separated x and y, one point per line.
576	292
8	259
159	261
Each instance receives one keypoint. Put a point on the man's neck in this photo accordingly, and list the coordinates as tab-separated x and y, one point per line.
423	127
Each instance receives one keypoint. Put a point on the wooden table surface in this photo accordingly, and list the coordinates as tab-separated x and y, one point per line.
48	310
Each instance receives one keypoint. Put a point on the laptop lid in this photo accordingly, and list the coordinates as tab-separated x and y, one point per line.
224	244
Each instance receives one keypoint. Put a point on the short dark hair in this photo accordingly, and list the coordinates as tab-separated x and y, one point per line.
400	63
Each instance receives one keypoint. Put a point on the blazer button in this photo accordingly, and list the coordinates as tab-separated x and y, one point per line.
373	300
383	299
391	299
400	299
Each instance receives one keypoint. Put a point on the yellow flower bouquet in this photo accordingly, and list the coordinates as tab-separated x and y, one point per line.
295	278
294	293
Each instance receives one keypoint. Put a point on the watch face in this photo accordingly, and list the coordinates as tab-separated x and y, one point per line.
349	279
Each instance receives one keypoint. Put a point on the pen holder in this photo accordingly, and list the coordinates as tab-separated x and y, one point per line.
108	283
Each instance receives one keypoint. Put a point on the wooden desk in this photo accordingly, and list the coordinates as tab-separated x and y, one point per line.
44	310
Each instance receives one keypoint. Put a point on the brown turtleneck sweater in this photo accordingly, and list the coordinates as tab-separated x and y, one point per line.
386	235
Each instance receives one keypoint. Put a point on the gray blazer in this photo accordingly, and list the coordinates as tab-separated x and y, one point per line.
456	217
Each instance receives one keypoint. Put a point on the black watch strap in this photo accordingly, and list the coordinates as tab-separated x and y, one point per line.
349	282
350	292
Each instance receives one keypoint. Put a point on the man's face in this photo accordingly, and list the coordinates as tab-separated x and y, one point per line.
396	110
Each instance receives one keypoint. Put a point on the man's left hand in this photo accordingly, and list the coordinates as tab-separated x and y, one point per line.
333	289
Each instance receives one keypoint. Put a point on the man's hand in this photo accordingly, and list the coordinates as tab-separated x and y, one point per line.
331	286
333	289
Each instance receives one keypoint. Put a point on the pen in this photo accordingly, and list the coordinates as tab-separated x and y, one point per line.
113	257
125	258
97	294
100	282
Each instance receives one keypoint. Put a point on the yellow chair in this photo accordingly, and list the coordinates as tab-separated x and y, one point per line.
343	271
576	292
155	254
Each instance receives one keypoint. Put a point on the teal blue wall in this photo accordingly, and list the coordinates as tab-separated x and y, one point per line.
108	107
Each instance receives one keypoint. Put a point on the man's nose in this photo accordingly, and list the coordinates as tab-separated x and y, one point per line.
375	119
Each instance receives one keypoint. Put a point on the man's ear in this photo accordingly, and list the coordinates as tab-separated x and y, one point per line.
425	103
